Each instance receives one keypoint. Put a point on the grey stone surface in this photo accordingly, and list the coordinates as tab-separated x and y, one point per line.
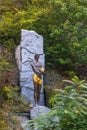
31	44
18	57
38	110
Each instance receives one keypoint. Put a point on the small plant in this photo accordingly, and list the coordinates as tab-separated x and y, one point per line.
69	110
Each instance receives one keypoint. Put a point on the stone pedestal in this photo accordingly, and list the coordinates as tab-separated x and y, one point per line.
34	113
37	111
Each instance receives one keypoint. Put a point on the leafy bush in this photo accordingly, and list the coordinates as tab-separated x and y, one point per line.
11	105
69	110
63	26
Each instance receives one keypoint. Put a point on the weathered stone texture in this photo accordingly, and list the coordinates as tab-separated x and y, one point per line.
31	44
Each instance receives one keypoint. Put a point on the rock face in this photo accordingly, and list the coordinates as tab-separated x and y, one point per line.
38	110
34	113
18	56
31	44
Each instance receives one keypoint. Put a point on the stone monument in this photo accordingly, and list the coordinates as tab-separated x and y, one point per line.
31	44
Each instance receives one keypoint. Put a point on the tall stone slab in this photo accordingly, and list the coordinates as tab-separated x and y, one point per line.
31	44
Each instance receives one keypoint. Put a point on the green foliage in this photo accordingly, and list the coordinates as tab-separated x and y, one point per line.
7	117
67	32
69	110
63	26
12	103
4	64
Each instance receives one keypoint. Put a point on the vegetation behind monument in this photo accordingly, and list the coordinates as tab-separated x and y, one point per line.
63	24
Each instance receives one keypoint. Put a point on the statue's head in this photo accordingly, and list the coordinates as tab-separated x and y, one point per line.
37	56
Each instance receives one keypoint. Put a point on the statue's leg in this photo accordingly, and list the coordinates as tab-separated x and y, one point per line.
37	87
35	92
38	93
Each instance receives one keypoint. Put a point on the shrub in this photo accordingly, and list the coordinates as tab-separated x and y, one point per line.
69	110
